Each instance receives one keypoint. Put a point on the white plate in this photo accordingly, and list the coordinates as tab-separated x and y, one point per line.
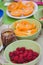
35	9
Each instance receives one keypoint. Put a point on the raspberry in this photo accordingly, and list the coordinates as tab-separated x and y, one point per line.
21	55
30	51
18	49
22	48
21	60
16	58
14	52
34	57
12	58
25	54
11	54
29	57
35	54
17	52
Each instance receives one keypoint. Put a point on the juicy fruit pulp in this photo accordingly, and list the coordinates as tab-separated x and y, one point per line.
24	28
22	55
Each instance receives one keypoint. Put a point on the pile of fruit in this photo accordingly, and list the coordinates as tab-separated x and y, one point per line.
24	28
18	9
23	55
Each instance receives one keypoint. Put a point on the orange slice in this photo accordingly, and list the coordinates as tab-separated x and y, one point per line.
16	13
20	33
33	31
30	4
27	11
12	6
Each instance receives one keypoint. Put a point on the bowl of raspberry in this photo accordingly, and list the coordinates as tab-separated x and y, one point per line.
23	52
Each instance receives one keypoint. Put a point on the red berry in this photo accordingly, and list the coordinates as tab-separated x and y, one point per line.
35	54
17	52
21	55
20	60
18	49
14	52
16	58
34	57
11	54
30	51
25	54
12	58
22	48
21	52
29	57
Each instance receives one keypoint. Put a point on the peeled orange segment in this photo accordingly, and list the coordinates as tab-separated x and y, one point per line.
16	13
20	5
33	31
24	22
24	6
22	28
12	6
20	33
33	26
27	11
30	4
16	24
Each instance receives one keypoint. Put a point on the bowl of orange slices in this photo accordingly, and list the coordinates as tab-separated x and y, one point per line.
21	9
26	28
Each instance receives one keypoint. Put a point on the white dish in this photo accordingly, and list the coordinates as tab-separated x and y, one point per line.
35	10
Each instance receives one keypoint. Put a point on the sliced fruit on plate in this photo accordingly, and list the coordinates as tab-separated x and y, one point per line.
12	6
30	4
16	13
19	9
28	11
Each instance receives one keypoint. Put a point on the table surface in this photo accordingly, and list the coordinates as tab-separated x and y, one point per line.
8	20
